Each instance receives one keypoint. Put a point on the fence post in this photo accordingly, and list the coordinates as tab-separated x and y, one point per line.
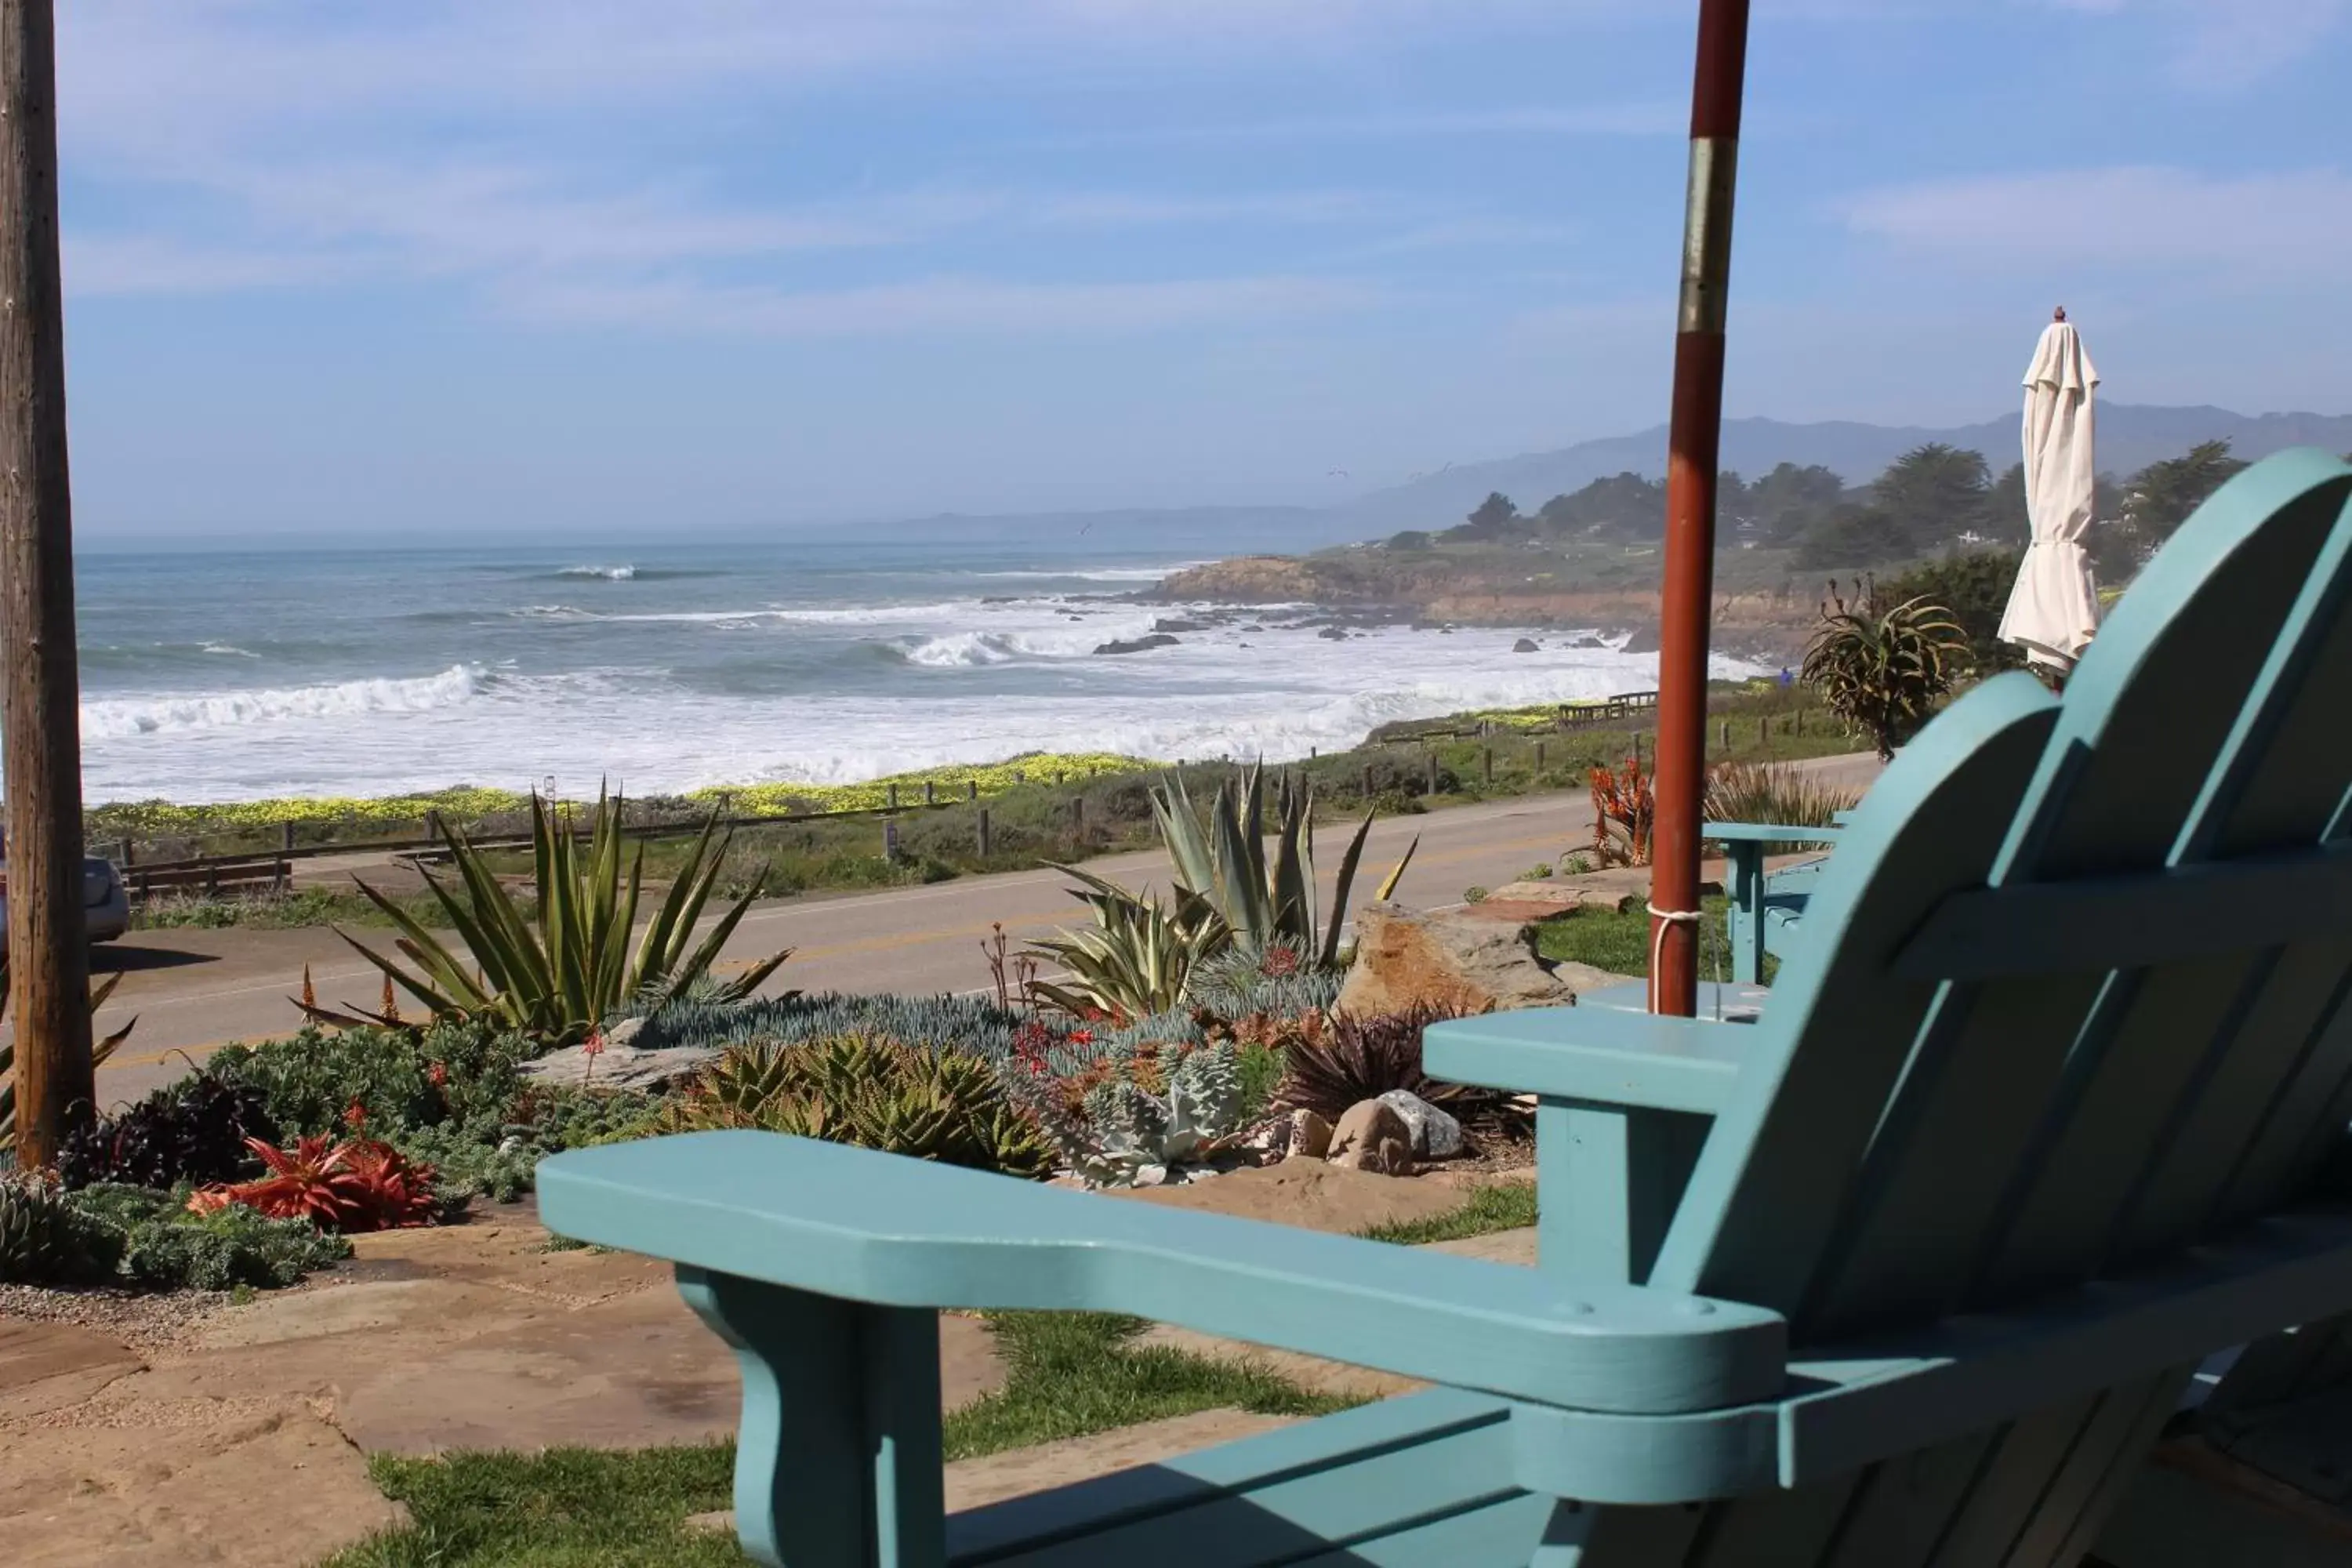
1539	756
930	795
1368	781
894	797
1432	758
971	789
1764	733
129	850
1077	814
1722	734
983	833
433	823
890	840
285	836
1486	766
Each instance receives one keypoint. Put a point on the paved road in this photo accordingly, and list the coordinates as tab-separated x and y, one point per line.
191	990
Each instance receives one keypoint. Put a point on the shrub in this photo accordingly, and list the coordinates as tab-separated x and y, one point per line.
192	1130
1353	1060
875	1093
155	1242
1474	894
1123	1128
451	1070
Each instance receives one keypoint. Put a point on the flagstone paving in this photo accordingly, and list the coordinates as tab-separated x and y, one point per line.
242	1439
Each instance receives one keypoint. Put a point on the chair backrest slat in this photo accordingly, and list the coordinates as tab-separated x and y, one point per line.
1903	1145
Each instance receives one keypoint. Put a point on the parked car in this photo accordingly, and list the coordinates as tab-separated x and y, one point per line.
105	902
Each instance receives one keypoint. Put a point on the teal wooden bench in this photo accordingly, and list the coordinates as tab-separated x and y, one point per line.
1916	1269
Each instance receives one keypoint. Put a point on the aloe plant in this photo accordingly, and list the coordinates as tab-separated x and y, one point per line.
99	1052
559	973
1881	668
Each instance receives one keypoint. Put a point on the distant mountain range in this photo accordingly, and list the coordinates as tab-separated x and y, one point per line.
2131	437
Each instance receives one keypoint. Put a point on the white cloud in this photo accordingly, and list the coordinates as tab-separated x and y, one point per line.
2252	226
2227	44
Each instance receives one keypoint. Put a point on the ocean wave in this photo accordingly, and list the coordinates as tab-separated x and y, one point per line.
1098	573
124	717
961	650
610	574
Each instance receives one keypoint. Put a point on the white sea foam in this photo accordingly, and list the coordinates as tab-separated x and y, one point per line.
122	717
974	681
610	574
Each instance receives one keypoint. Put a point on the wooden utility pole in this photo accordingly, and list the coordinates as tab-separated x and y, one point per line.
39	684
1693	444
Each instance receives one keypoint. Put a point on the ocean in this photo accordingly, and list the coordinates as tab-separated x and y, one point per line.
220	676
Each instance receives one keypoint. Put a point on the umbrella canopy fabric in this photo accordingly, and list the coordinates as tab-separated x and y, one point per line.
2054	611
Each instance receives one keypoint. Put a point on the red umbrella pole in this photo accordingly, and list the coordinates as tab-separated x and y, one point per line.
1693	448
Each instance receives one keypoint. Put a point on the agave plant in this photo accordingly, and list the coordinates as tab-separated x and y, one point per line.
1137	959
99	1052
1881	668
1230	898
1263	903
559	973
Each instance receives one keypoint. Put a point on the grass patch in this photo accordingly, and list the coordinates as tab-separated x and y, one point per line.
305	907
564	1507
1618	940
1505	1206
1073	1374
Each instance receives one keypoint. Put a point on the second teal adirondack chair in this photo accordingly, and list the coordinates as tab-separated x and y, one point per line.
1913	1271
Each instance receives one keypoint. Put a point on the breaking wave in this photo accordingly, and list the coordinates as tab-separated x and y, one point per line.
124	717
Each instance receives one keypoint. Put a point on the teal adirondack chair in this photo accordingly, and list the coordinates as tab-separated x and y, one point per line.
1766	907
1913	1270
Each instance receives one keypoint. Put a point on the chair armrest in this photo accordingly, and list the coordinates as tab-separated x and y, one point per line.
858	1225
1768	833
1595	1054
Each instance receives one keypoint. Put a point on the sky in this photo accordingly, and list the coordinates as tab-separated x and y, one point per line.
412	268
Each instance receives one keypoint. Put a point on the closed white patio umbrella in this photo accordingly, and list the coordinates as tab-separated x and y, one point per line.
2054	611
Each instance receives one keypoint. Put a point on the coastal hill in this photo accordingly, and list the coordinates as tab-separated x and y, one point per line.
2131	437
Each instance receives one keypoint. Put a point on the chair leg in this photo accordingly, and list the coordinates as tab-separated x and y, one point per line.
838	1460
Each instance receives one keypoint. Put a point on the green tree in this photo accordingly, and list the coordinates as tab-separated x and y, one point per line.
1853	536
1495	518
1625	506
2005	513
1787	501
1935	492
1973	586
2158	499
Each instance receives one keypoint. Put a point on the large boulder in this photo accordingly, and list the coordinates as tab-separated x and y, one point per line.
1371	1136
1447	959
